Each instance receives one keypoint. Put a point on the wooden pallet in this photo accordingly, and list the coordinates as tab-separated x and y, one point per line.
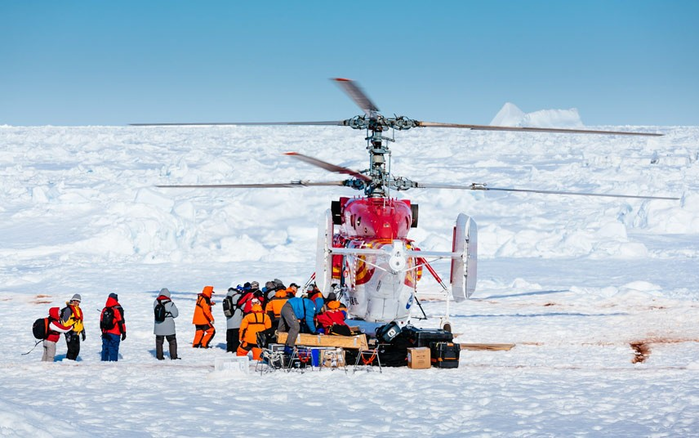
492	347
356	342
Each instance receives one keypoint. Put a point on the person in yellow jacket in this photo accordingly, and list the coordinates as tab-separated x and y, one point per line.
274	307
253	322
72	316
203	319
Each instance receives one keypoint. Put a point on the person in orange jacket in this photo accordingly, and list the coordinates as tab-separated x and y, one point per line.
253	322
274	307
203	319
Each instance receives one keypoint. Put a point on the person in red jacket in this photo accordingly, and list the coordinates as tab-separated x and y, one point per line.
113	326
203	319
333	320
55	329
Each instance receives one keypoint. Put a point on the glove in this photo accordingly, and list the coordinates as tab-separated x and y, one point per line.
83	334
123	336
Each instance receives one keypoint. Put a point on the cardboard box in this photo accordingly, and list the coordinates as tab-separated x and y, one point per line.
419	358
235	364
332	358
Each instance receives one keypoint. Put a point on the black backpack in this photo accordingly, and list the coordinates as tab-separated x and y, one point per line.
41	328
386	333
108	319
228	306
160	312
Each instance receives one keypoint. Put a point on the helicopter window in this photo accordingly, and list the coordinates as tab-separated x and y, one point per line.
359	221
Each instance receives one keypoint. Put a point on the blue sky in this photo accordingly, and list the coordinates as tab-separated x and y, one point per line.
118	62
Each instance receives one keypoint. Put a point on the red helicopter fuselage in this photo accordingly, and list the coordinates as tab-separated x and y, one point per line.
377	293
376	218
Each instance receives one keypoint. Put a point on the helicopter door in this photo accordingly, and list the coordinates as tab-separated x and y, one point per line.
463	268
324	267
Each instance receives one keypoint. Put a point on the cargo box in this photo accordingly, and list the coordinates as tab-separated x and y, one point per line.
424	337
445	354
419	358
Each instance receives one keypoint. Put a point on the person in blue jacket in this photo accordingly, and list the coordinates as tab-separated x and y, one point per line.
297	311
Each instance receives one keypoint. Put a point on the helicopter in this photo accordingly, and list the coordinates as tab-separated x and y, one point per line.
363	248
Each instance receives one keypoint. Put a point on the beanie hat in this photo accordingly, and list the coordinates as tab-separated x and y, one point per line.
76	297
113	295
165	292
254	285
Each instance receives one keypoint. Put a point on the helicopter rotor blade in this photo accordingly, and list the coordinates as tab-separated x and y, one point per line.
291	184
328	166
484	187
320	123
354	91
422	124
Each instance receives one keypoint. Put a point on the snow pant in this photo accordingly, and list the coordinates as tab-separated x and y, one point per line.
172	346
289	323
49	351
244	348
73	344
232	340
110	347
204	334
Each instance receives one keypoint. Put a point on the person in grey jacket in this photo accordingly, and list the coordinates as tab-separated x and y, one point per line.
165	329
233	321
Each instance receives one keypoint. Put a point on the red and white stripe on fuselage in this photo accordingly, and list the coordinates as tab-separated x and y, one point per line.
377	290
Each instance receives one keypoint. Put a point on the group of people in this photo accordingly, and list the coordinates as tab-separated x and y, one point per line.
250	312
70	322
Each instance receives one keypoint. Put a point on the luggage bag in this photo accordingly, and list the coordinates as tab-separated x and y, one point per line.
445	354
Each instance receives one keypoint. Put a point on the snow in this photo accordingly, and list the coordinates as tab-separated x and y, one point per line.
510	115
572	281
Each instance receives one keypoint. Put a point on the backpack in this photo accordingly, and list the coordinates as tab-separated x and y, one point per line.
228	306
160	312
245	301
386	333
108	319
41	328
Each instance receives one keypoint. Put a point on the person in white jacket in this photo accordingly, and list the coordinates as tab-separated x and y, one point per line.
165	329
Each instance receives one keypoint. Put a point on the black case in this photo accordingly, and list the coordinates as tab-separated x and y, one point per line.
424	337
445	354
387	333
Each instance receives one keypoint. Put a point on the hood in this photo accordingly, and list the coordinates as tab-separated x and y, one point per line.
54	313
319	304
111	301
281	293
165	292
257	308
207	291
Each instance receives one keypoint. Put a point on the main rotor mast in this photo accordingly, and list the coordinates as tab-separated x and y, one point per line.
377	145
